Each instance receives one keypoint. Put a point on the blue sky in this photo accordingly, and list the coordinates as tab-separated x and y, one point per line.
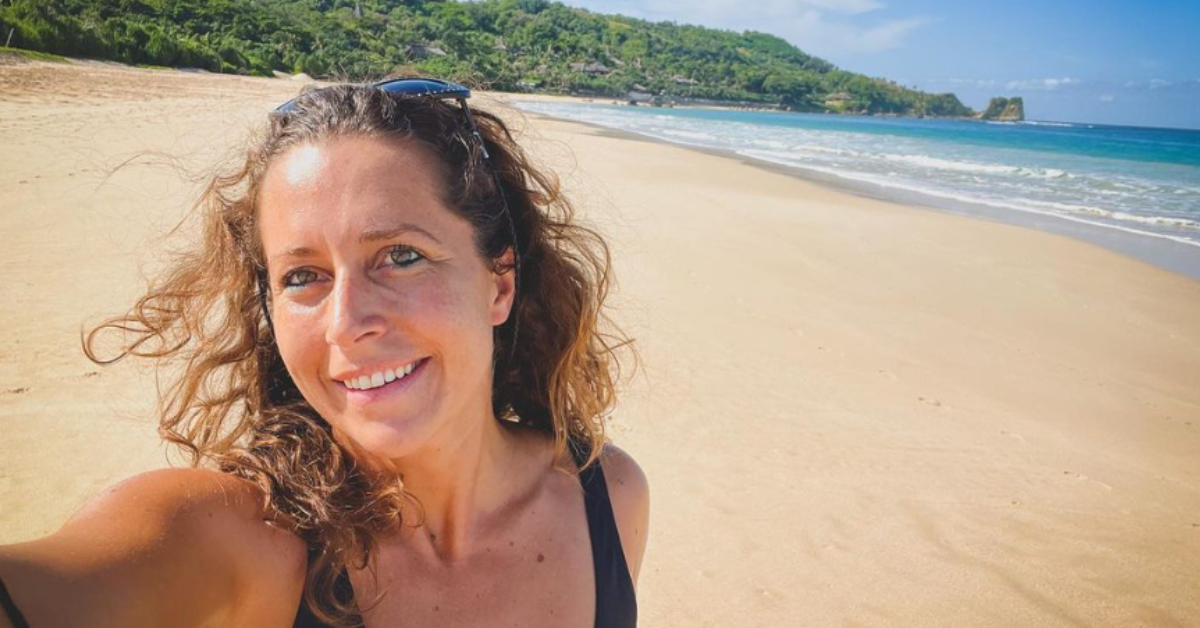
1103	61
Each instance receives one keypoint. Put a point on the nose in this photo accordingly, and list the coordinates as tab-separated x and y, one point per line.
353	316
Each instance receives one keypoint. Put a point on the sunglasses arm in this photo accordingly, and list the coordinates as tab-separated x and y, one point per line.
462	102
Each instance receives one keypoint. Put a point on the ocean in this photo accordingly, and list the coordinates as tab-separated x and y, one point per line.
1143	182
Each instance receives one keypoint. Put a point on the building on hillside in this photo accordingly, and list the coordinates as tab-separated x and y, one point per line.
593	68
639	97
837	100
421	51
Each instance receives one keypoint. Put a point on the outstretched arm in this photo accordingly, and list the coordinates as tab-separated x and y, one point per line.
176	547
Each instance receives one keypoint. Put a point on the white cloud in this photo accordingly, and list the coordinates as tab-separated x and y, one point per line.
886	36
819	27
842	6
963	81
1107	98
1042	84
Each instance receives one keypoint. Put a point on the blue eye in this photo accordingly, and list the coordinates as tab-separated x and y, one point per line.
404	256
298	278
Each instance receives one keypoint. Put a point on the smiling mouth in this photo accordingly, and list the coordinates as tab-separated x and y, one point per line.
382	378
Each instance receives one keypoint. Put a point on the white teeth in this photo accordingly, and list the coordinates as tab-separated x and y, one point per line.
375	380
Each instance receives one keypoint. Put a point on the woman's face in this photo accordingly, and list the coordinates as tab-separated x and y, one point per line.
372	277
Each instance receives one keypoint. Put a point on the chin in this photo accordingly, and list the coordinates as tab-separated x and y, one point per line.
389	439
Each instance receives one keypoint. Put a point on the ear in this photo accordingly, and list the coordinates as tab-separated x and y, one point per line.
504	287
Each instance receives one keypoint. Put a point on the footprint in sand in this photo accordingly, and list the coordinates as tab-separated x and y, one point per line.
16	391
1081	478
767	593
931	401
1013	435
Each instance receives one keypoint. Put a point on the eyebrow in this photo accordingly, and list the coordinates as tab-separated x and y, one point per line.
373	235
388	234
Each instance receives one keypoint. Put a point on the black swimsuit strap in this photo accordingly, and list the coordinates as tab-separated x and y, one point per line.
616	601
10	608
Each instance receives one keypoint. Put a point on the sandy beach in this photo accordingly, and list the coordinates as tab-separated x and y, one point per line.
851	412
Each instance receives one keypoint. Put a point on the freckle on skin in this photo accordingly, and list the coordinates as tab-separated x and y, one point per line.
541	558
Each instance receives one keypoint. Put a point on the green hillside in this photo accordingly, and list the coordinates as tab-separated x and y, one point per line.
504	44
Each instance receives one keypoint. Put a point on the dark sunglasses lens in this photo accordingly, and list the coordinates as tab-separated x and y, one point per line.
411	88
425	87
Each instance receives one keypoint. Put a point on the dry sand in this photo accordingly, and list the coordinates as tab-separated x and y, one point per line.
852	413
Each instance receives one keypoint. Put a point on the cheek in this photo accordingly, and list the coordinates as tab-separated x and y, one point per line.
301	345
456	319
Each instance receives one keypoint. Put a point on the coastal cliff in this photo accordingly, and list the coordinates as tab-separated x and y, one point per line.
1004	110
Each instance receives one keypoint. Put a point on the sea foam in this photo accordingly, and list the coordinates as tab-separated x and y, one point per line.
1110	177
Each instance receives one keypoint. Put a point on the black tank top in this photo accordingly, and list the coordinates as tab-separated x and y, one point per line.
616	602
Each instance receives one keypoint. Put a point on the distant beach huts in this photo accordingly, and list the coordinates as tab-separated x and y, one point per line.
637	97
421	51
838	100
594	68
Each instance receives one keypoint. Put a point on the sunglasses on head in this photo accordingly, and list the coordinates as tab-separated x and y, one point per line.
408	88
416	87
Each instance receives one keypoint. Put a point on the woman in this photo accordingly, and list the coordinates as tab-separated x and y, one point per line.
391	374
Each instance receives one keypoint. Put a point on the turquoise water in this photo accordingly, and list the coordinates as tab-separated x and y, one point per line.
1135	180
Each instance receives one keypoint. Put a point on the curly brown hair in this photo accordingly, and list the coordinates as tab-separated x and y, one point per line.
232	405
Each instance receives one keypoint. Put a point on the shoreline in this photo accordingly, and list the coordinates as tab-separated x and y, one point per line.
1170	255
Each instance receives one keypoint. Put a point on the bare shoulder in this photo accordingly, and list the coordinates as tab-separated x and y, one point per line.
180	546
206	509
174	493
629	492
